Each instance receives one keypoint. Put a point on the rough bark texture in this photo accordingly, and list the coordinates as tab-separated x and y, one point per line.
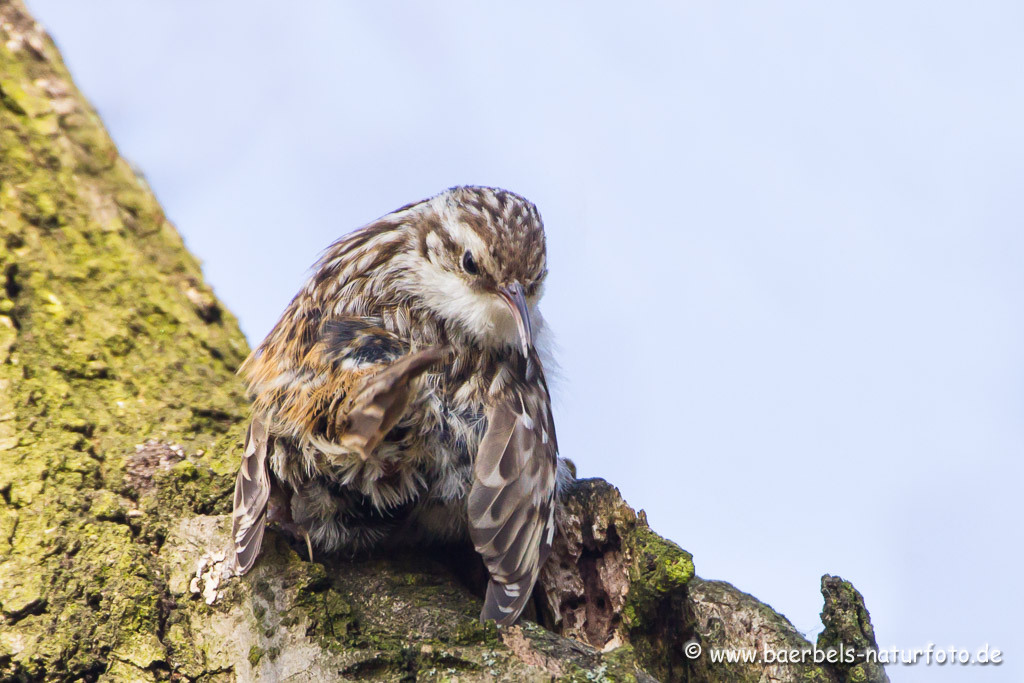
848	625
120	428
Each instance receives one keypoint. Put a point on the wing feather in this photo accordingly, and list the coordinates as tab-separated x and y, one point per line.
342	386
510	502
383	399
252	491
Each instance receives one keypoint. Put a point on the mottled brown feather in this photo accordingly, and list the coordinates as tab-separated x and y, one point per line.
358	395
252	491
512	498
382	400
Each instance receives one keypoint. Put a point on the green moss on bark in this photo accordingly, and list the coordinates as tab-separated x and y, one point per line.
101	348
848	626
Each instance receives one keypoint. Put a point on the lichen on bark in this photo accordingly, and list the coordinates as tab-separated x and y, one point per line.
102	349
120	427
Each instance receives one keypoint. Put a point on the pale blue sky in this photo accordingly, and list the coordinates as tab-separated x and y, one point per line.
786	247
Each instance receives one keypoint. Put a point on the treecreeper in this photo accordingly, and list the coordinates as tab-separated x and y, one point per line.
401	398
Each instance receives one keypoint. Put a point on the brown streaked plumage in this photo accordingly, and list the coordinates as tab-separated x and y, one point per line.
401	398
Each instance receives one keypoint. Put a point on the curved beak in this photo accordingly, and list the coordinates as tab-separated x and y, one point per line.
515	297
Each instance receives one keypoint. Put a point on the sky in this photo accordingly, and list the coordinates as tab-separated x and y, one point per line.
785	247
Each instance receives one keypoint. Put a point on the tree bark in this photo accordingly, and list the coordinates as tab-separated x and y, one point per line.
121	421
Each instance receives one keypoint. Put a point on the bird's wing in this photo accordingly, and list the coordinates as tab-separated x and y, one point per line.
512	502
252	491
381	401
342	386
343	392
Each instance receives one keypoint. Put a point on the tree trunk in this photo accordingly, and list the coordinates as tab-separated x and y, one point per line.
121	421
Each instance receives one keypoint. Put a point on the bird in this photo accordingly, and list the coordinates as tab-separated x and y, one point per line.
401	398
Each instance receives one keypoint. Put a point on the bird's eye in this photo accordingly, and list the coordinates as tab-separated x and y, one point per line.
469	264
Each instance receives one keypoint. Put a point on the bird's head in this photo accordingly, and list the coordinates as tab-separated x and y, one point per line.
478	261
